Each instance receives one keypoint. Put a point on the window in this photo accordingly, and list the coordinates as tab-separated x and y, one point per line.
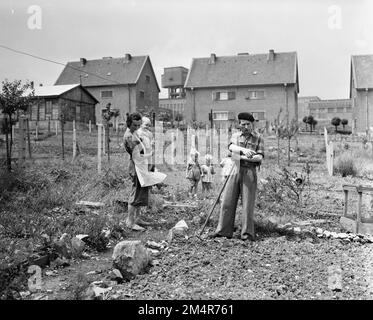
255	95
142	94
259	115
223	95
147	79
55	111
331	110
340	109
220	115
107	94
34	112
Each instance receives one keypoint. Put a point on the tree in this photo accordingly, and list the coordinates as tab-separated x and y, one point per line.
289	131
179	117
310	120
305	121
14	97
336	122
344	123
314	123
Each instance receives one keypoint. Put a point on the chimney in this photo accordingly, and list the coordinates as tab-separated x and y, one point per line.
127	58
212	58
271	55
83	61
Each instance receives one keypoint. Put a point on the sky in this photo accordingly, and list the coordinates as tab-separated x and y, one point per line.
172	32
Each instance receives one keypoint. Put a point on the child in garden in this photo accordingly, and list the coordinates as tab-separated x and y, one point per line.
193	173
207	172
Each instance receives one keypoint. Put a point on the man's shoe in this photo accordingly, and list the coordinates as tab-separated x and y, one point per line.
246	236
218	235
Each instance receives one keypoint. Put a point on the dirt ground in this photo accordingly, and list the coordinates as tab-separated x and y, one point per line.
276	266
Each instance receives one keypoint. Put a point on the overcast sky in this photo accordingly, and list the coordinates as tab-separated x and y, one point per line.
323	33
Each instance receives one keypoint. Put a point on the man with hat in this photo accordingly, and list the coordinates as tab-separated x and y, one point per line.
247	147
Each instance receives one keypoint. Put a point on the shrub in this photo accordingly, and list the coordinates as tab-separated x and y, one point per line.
345	165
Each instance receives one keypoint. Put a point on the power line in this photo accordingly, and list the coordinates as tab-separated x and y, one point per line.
59	63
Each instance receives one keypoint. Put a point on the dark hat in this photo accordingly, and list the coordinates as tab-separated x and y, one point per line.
246	116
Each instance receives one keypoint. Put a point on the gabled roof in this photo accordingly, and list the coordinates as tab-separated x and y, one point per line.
55	91
103	72
244	70
362	71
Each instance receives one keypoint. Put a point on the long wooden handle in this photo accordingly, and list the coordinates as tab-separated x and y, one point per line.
217	200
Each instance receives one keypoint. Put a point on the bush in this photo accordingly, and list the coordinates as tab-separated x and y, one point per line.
345	165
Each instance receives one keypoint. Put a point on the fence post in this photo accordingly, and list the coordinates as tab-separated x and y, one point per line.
104	140
36	131
90	126
28	137
74	140
56	125
22	139
99	146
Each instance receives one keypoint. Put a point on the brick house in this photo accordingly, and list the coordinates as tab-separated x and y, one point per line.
128	83
303	106
325	110
258	83
361	92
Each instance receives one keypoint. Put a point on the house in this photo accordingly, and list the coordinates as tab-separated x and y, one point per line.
73	101
325	110
361	92
128	83
263	84
303	108
174	80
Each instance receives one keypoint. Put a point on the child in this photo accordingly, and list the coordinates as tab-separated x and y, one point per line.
207	172
226	164
193	173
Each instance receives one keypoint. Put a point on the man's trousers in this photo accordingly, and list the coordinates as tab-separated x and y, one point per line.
245	182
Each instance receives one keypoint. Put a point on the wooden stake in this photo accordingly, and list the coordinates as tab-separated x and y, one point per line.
28	138
99	146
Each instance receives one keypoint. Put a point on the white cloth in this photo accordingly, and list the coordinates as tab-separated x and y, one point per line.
146	177
227	164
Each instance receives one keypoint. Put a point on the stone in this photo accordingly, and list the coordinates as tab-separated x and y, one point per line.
153	252
181	225
327	233
196	220
154	245
319	231
297	230
77	246
130	258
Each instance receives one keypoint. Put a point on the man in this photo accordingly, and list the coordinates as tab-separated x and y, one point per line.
247	147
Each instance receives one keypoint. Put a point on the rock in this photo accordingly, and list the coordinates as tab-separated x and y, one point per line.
77	246
154	245
61	262
81	236
25	294
116	276
130	258
153	252
197	220
181	225
327	234
39	260
319	231
342	236
297	230
155	262
272	220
